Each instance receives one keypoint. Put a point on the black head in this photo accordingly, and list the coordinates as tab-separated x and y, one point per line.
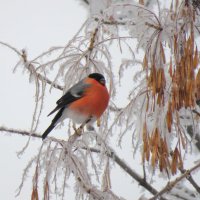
98	77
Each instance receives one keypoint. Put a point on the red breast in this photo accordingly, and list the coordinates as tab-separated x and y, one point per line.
95	99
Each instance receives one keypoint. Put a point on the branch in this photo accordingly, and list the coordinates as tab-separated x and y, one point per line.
11	47
185	173
24	58
55	85
110	154
19	132
115	22
31	67
191	180
129	171
170	185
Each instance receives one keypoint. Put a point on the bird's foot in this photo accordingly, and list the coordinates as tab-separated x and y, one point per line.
98	122
78	131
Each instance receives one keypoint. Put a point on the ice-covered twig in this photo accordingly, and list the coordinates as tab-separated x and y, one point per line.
191	180
171	184
129	171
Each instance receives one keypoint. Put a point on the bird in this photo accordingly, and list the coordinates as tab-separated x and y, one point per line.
84	102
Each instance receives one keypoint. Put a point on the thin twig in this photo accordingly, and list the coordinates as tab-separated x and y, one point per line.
117	23
40	77
196	112
191	180
55	85
111	154
124	166
19	132
129	171
11	47
29	134
171	184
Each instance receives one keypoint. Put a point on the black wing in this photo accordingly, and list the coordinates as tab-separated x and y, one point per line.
74	93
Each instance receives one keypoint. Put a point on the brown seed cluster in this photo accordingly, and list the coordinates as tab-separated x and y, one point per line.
155	151
174	86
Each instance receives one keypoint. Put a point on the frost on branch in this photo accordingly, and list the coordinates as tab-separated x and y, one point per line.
165	102
171	90
181	192
58	160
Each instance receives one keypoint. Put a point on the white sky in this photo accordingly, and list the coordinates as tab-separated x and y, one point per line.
35	25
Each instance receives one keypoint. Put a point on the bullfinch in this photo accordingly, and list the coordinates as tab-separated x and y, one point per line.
84	102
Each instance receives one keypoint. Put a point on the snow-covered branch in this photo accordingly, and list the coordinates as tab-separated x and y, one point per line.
19	132
186	174
110	153
172	184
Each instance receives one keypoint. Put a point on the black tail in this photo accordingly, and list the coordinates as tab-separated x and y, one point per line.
49	129
53	123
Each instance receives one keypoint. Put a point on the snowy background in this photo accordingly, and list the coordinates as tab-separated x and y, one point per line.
35	26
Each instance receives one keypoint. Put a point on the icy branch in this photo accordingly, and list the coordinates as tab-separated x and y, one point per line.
19	132
109	153
170	185
129	171
191	180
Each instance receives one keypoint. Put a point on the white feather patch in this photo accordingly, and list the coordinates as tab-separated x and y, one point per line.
76	117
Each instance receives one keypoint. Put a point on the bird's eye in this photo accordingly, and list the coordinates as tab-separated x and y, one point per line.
102	81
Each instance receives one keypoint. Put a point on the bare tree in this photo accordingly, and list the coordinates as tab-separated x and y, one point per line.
157	45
